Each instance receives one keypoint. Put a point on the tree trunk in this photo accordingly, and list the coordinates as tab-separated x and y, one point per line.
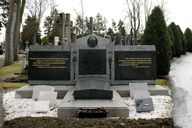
20	9
9	58
16	38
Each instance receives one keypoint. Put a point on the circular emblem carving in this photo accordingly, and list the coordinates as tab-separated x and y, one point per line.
92	42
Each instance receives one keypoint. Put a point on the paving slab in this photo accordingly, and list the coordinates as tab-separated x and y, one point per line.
26	91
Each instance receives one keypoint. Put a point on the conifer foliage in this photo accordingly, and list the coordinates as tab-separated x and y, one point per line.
156	34
188	36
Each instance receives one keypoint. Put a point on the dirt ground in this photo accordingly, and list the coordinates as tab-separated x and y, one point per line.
52	122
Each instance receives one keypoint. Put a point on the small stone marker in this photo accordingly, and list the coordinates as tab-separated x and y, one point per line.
143	101
137	87
37	89
48	96
41	107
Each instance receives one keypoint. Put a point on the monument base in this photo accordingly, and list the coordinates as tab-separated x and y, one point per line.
70	107
26	91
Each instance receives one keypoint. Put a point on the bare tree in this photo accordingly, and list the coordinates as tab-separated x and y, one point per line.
147	9
162	4
80	19
134	15
37	9
49	20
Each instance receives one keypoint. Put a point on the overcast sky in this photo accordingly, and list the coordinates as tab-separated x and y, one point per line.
179	11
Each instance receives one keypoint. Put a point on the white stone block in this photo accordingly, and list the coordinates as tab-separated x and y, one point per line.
135	87
37	89
48	96
41	107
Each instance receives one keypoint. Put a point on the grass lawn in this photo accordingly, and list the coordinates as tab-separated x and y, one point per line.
162	82
14	68
10	85
9	70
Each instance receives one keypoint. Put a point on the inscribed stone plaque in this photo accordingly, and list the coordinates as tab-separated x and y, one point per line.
49	65
48	96
92	62
135	65
144	104
38	89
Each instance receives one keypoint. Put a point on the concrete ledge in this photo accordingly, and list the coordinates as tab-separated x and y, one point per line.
27	91
153	90
123	90
115	107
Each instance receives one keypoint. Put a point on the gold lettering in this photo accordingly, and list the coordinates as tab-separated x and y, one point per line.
135	62
49	62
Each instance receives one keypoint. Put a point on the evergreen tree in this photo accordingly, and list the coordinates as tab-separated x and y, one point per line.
49	24
188	35
172	39
80	26
29	30
100	25
111	33
178	39
121	28
156	34
183	39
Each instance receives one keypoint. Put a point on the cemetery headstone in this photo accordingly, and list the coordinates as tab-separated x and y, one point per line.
49	65
38	89
93	81
134	63
48	96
